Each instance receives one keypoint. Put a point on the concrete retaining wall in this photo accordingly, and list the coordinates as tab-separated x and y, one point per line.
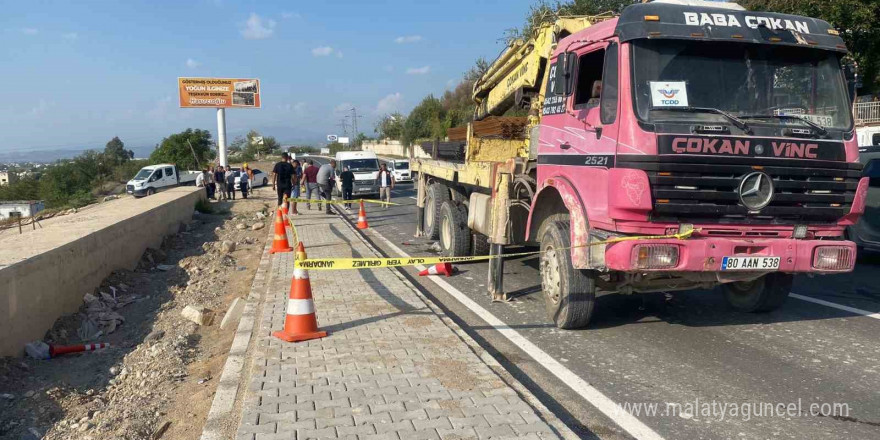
45	273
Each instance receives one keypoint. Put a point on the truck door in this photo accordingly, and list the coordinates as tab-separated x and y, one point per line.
170	178
580	123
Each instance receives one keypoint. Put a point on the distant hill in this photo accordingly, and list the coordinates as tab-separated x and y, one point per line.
48	156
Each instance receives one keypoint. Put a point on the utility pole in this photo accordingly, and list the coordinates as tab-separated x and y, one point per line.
354	134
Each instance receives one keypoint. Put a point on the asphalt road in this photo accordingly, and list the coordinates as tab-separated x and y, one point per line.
685	348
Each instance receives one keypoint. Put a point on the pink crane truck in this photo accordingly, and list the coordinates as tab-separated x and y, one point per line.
674	116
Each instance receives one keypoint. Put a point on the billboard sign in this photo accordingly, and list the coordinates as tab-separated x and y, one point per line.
343	140
332	138
219	92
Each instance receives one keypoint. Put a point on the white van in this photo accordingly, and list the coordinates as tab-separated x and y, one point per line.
365	166
400	168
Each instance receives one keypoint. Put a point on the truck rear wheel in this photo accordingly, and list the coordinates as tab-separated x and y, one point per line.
455	237
435	195
569	293
765	294
480	245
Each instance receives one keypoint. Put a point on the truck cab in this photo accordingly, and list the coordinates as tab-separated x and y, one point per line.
729	127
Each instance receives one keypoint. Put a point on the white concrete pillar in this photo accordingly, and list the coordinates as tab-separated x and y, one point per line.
221	135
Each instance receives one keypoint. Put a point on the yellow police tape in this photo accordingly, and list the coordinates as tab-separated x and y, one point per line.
341	202
376	263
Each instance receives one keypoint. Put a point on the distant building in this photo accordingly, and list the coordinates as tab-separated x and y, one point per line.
20	208
6	177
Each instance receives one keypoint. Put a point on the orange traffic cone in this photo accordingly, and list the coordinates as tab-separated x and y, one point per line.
300	324
437	269
284	214
362	217
279	241
55	350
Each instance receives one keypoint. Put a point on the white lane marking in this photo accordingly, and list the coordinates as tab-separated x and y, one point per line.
625	420
413	198
835	305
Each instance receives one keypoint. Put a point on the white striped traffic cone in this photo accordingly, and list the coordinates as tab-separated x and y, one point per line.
300	324
55	350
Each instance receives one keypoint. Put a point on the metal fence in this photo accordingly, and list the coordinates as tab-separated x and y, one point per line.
867	112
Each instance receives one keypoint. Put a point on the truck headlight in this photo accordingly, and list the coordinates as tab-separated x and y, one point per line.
654	256
832	258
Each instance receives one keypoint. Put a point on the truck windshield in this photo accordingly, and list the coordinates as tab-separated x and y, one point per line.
361	164
143	174
744	80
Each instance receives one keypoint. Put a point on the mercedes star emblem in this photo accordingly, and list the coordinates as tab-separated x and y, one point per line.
756	190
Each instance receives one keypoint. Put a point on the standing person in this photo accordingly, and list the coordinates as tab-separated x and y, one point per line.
310	178
220	181
282	178
230	184
243	183
347	178
201	182
326	181
209	182
297	181
385	179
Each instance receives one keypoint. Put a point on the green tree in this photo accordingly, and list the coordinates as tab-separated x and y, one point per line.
425	121
237	145
335	147
547	12
390	126
856	20
257	145
179	148
115	153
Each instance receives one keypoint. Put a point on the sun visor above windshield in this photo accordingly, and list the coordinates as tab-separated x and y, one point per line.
664	20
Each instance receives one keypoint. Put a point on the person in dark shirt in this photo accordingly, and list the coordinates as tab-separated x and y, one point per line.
220	180
297	183
347	178
282	178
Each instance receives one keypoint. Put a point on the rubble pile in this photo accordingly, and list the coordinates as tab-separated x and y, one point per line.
125	392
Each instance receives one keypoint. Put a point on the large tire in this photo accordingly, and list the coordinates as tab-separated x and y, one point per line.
765	294
569	293
480	244
455	237
151	191
435	196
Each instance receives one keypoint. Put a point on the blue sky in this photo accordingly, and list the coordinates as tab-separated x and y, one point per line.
79	73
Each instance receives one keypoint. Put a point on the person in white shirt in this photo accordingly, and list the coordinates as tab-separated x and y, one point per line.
385	179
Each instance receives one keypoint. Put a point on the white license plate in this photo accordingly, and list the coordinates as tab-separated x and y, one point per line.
750	263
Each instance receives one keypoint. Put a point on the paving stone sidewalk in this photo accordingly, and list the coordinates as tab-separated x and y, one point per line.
390	368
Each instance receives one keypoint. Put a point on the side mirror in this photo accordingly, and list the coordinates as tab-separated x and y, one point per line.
851	73
561	81
569	72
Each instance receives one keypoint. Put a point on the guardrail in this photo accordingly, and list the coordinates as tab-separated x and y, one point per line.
867	112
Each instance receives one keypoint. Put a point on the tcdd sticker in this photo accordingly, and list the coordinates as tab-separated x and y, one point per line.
669	94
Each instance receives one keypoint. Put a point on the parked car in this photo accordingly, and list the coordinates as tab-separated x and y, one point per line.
400	169
154	178
260	178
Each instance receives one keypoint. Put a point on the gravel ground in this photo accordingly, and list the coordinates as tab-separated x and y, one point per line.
158	378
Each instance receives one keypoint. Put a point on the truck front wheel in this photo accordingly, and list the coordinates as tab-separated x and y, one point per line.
455	237
765	294
151	191
435	195
569	293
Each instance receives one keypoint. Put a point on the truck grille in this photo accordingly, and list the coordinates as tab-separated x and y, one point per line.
693	190
129	188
